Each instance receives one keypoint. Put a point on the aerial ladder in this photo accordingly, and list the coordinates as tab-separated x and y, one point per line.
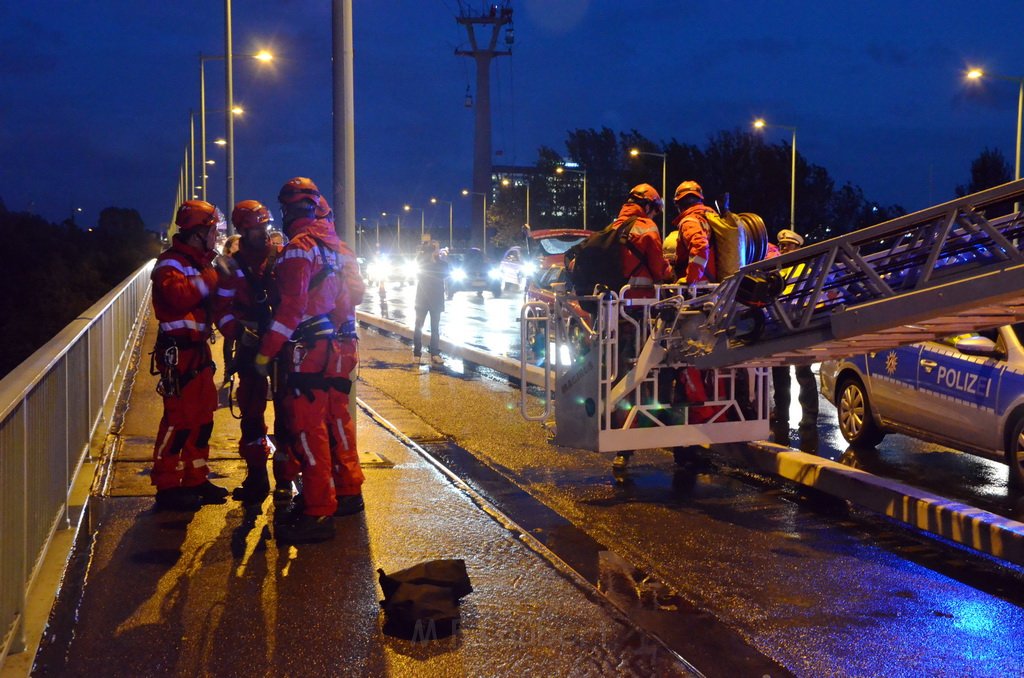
691	366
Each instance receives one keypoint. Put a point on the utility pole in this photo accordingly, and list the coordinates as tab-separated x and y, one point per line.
344	188
482	51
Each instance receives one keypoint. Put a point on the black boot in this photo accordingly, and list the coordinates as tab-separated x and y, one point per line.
349	504
177	499
210	493
306	529
283	493
254	488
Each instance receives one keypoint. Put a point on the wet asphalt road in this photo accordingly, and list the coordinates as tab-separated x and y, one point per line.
810	585
492	324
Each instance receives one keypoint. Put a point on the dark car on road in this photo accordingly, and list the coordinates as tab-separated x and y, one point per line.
469	270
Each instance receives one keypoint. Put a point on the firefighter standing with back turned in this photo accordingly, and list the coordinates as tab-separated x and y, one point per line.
184	286
303	331
695	251
245	312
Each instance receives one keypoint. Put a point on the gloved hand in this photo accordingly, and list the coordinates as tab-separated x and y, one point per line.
262	365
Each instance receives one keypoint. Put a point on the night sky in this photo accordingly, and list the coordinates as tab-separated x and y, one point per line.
95	98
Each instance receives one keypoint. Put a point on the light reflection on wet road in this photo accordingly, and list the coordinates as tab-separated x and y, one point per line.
491	324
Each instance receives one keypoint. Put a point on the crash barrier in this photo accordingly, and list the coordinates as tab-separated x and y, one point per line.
51	405
531	374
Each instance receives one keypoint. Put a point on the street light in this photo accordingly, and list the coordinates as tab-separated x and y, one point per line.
635	152
262	56
466	191
409	208
398	234
508	182
562	168
760	124
451	240
978	74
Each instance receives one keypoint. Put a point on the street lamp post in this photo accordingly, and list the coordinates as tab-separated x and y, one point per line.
466	191
508	182
977	74
262	56
409	208
398	233
761	124
562	168
451	240
229	85
664	172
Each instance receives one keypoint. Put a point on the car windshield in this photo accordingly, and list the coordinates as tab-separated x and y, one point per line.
558	244
552	275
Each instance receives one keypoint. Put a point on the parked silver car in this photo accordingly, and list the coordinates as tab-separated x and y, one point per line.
964	391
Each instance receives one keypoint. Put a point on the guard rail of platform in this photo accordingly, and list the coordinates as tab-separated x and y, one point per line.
50	407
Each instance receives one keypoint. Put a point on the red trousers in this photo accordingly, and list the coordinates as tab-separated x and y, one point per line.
321	437
348	475
183	440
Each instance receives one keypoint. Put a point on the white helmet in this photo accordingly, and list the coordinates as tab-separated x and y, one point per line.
792	237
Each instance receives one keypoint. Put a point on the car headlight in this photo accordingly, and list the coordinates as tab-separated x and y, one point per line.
376	270
494	274
458	274
529	268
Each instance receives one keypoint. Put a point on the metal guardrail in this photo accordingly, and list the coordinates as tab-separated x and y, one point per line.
50	406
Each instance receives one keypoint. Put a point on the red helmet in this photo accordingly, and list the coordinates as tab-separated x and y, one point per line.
644	194
249	214
688	188
195	214
299	188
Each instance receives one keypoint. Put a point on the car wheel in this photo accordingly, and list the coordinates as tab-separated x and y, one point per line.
854	411
450	294
1015	452
496	291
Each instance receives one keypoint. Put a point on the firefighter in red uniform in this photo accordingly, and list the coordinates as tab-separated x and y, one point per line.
302	334
643	261
348	475
245	314
643	206
695	251
184	287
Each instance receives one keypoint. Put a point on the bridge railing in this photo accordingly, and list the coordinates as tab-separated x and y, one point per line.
50	407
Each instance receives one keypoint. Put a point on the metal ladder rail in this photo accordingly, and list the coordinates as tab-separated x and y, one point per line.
945	243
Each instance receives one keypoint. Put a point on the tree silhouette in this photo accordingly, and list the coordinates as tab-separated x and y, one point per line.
62	270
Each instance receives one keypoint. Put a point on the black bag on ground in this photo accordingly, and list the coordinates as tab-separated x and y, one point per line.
422	602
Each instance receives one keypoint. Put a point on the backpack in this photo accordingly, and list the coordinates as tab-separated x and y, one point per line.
728	242
598	260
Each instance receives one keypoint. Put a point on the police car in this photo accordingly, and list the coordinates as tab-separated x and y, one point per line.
964	391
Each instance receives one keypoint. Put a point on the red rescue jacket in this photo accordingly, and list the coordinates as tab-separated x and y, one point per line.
645	237
307	296
695	253
184	284
237	300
